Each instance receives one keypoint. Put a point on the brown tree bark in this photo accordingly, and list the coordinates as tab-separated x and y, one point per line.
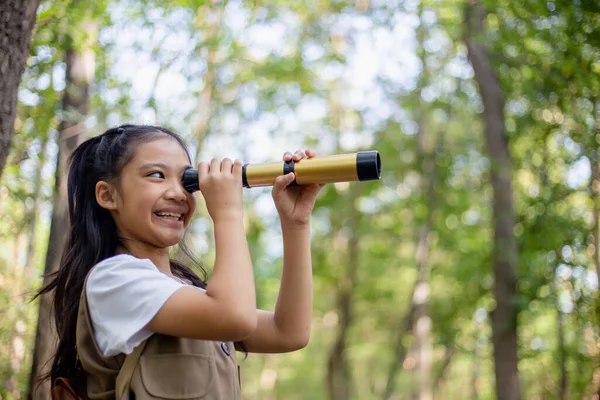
417	317
13	364
268	378
33	216
338	370
214	17
504	317
422	322
595	186
475	372
594	190
594	236
562	351
440	377
17	19
79	74
23	275
400	351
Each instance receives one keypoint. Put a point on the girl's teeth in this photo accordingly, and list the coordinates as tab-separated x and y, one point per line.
169	216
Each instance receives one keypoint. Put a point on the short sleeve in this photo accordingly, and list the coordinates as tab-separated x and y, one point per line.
124	293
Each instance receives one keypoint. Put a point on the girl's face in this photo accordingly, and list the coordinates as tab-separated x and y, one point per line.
152	207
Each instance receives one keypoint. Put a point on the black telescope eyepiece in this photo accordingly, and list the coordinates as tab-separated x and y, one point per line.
360	166
368	165
190	180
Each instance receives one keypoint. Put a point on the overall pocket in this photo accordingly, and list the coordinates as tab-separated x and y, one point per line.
178	376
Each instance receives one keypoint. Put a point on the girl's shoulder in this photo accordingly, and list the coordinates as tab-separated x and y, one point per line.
123	272
123	294
122	264
120	259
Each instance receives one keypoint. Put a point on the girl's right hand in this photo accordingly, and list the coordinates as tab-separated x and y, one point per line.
220	183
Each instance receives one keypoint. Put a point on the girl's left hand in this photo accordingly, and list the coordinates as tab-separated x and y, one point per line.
295	203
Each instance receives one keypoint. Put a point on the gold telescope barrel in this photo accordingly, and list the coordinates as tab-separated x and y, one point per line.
360	166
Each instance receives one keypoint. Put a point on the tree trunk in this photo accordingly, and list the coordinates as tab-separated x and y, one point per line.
595	195
17	19
417	316
23	277
214	17
476	361
400	351
79	74
422	322
16	351
440	377
419	310
504	317
33	213
594	237
268	377
562	352
338	374
16	335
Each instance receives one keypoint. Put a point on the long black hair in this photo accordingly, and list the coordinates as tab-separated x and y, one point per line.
92	235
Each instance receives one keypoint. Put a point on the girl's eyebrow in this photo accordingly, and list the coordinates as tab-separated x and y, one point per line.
153	165
159	165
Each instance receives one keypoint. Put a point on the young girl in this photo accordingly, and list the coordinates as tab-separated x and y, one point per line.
117	289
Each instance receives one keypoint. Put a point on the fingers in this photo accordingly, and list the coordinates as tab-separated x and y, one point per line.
215	166
281	183
237	167
220	167
226	165
203	167
298	155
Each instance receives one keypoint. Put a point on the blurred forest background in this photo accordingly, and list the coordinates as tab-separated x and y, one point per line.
470	271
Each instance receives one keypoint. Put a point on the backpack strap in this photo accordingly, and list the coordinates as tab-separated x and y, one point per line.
123	384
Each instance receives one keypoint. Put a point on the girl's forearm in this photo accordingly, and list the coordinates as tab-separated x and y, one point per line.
293	310
232	281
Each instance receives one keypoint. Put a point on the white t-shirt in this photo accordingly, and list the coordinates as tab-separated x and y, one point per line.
123	294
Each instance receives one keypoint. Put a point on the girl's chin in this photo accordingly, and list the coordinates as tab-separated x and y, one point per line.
172	240
167	239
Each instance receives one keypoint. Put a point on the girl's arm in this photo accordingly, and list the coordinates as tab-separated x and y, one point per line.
288	328
227	310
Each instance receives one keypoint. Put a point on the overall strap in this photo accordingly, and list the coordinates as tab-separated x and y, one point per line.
123	381
123	384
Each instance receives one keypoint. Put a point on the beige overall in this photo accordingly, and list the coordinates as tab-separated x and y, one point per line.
169	367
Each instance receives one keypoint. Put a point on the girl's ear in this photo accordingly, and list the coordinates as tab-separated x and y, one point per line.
106	195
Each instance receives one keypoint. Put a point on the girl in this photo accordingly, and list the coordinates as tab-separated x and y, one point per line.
117	290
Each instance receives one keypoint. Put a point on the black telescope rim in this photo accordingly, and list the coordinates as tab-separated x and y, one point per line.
368	165
190	180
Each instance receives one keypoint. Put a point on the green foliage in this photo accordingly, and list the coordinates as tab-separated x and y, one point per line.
341	77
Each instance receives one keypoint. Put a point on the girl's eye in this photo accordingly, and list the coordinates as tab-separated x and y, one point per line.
157	174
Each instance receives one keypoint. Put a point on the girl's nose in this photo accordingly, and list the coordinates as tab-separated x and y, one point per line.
176	192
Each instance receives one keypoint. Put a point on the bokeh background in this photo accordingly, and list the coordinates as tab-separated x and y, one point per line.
487	118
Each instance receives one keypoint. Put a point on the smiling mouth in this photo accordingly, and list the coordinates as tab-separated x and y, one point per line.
170	216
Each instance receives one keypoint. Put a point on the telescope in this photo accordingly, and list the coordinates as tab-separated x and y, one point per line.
360	166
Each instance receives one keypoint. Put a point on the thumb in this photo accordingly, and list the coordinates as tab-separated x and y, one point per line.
281	182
